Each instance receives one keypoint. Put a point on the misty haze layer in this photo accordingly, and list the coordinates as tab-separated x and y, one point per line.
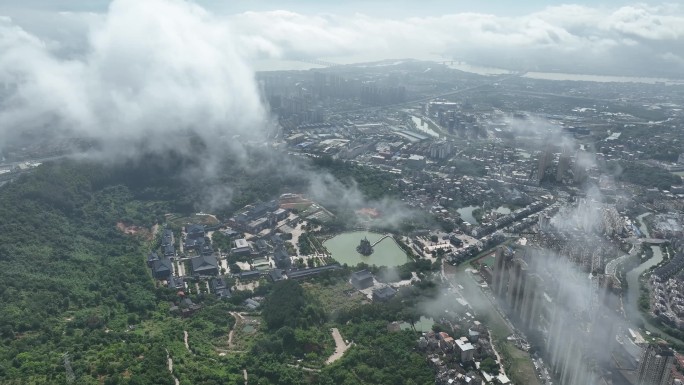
152	73
165	66
154	76
638	39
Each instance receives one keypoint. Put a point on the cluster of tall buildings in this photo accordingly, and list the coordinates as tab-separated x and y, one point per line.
577	233
656	366
546	162
566	317
377	94
559	310
450	115
441	150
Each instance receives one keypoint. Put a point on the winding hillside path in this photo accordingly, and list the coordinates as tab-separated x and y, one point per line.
304	368
230	339
170	364
239	320
185	339
340	347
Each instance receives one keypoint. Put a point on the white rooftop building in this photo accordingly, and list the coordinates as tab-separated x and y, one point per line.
466	348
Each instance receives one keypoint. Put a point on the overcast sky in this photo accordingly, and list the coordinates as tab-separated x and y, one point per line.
604	37
395	8
132	70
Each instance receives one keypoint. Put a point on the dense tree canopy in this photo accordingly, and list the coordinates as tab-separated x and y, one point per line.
374	184
643	175
74	283
286	305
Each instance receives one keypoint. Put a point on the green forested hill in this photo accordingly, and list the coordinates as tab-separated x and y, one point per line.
73	283
66	272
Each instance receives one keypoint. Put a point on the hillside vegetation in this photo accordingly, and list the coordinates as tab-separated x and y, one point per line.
80	306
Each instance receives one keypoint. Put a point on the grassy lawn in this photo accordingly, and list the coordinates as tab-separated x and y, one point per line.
481	304
498	328
244	332
176	221
520	369
334	298
488	260
301	206
152	328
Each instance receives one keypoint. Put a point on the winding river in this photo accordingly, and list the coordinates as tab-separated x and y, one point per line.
423	126
632	310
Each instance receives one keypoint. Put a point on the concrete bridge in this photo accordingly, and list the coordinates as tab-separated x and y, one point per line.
381	239
654	241
322	63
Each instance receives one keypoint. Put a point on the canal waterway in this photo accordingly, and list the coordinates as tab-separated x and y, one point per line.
423	126
342	247
633	290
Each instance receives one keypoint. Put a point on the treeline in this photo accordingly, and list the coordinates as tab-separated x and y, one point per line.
374	184
56	257
296	330
401	272
286	305
74	283
379	358
647	176
293	332
637	138
306	244
69	274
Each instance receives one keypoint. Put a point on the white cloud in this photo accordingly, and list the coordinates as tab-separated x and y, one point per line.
151	71
651	23
556	35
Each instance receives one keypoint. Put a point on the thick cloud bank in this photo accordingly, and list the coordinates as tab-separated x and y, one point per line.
637	39
148	71
152	72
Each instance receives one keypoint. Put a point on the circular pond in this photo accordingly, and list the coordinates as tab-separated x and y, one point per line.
386	253
466	214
